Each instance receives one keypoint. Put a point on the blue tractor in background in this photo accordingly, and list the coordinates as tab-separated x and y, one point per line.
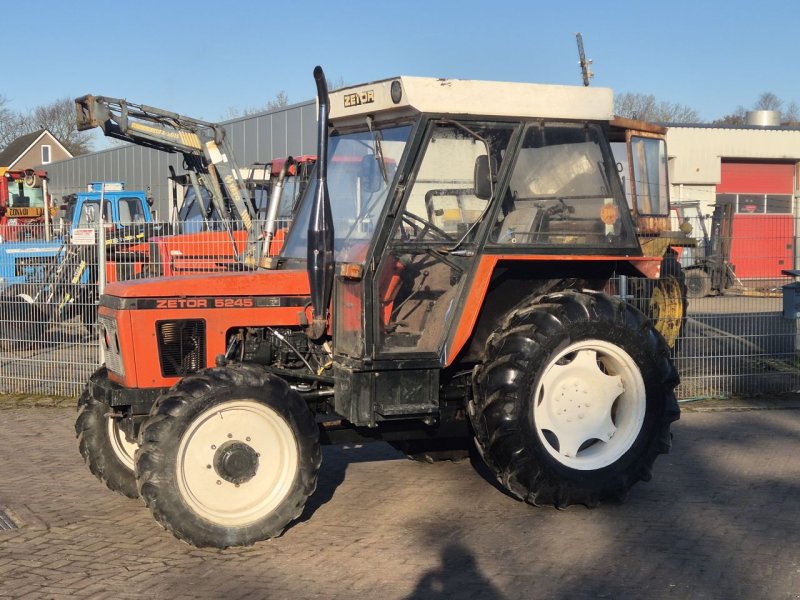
47	281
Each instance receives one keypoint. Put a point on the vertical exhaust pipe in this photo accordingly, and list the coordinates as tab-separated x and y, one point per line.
320	225
274	204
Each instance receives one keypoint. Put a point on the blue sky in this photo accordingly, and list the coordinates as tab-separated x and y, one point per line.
199	58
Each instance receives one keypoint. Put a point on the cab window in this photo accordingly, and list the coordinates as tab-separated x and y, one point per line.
564	190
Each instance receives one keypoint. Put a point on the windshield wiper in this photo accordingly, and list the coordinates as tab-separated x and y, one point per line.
377	138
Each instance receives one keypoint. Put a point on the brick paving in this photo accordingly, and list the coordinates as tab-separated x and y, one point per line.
721	519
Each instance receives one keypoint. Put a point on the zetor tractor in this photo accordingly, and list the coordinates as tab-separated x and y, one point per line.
443	279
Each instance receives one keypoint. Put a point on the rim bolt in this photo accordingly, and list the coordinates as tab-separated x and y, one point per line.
219	482
208	466
230	435
213	447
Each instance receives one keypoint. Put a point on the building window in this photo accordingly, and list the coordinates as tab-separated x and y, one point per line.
758	204
45	154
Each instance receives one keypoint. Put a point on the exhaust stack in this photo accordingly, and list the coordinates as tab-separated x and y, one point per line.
320	225
272	212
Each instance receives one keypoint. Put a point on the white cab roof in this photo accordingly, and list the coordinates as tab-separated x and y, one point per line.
470	97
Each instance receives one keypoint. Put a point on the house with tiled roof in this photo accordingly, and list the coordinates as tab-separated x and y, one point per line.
32	150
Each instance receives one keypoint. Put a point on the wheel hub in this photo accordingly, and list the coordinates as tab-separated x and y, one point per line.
572	400
589	404
236	462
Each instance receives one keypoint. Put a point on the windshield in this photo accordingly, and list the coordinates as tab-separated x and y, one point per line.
358	187
24	196
90	212
192	213
131	210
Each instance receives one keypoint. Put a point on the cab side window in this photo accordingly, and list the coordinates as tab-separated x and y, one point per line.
564	190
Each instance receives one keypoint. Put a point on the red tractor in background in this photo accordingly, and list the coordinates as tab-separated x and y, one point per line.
199	243
25	208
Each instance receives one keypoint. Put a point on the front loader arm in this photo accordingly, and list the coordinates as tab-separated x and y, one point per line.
204	146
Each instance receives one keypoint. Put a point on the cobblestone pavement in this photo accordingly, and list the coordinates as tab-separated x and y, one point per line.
721	519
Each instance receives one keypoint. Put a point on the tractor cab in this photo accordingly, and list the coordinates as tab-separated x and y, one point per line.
429	192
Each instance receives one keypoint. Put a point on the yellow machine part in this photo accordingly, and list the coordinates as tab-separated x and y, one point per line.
667	309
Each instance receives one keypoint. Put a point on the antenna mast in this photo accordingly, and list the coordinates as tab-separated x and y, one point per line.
587	74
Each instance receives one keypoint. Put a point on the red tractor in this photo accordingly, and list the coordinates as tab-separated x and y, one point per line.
24	205
441	285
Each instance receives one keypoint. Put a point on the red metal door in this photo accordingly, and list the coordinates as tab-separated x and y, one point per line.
763	225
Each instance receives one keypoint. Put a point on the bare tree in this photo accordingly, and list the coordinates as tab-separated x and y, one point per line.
337	83
11	124
789	113
58	118
737	117
281	100
768	101
647	108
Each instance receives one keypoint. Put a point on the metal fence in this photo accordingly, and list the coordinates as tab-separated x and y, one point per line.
736	340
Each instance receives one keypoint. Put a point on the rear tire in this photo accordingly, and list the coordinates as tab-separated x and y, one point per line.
102	443
228	457
668	303
574	399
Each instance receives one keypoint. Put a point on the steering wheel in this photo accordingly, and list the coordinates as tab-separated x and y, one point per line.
421	227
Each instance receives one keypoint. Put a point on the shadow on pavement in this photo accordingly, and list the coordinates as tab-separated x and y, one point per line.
457	577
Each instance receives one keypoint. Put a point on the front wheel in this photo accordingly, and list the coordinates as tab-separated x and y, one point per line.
229	457
574	399
105	448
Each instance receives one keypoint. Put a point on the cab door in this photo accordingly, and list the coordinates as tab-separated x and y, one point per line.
432	247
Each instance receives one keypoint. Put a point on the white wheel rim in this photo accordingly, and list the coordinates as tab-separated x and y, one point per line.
256	426
589	405
123	449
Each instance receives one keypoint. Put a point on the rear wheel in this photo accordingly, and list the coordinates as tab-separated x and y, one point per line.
102	443
574	400
668	303
229	457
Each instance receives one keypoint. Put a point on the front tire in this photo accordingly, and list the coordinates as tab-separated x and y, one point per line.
102	442
574	399
228	457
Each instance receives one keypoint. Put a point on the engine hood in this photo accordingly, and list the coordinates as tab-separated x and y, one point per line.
250	283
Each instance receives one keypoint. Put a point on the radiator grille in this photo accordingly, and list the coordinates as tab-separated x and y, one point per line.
181	346
109	341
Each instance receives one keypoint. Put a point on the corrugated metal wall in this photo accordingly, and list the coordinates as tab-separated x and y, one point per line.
256	138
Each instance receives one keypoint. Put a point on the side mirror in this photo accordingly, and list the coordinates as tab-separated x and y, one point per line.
485	177
370	174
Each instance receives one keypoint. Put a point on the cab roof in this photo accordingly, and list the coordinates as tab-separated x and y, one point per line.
472	97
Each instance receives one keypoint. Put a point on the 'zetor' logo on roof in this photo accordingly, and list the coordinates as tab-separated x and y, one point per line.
359	98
